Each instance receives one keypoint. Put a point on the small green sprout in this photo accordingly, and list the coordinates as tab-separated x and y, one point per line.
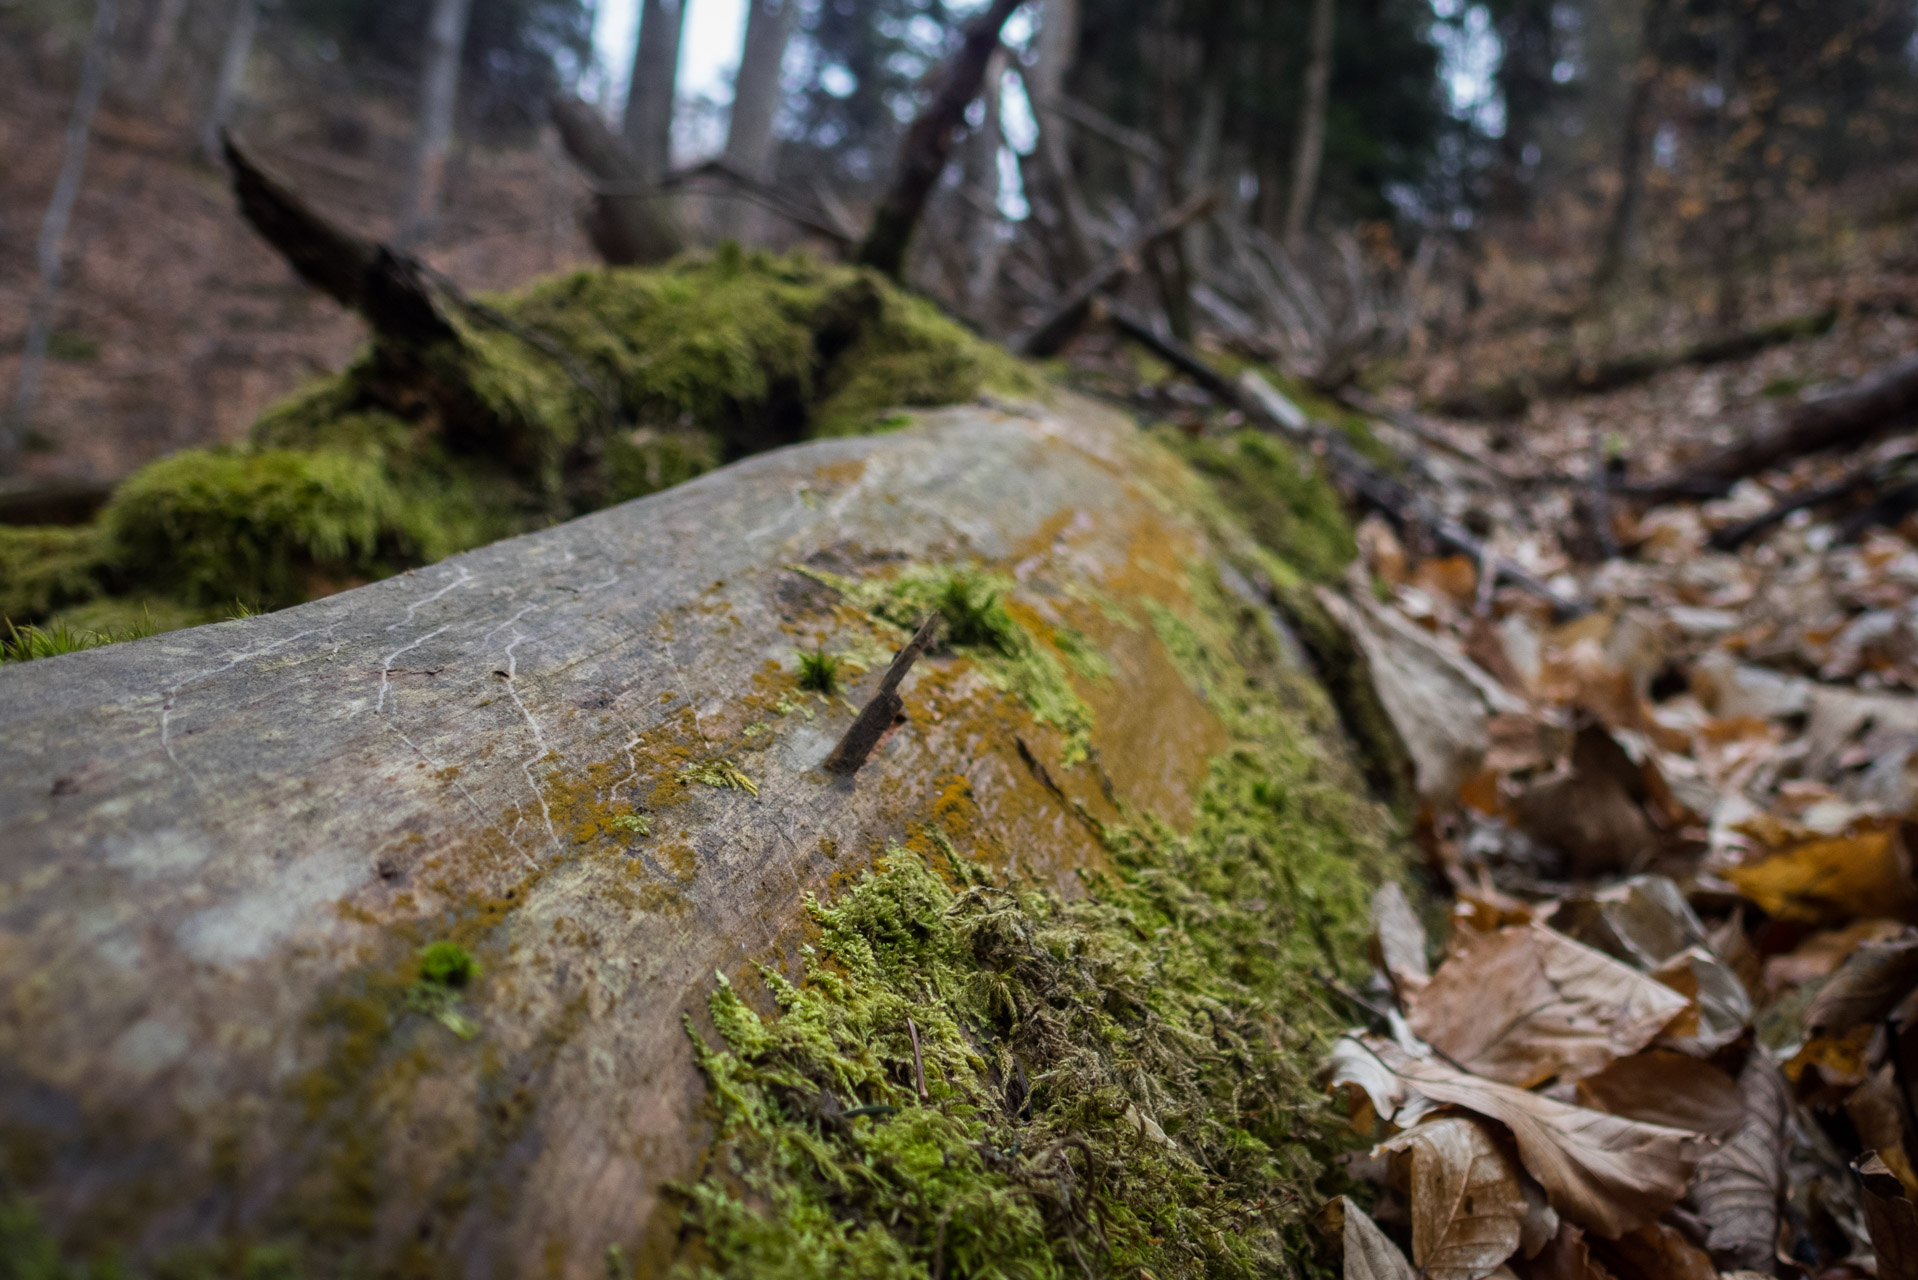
25	644
723	774
974	617
819	671
447	964
633	824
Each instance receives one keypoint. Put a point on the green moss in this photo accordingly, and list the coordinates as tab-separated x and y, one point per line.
447	964
819	671
49	567
1284	501
1117	1084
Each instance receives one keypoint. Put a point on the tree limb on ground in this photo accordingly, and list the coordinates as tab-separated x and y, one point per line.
1845	416
1069	313
1366	483
928	144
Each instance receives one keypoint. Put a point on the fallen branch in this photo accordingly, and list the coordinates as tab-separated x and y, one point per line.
1368	485
630	225
766	196
1424	432
928	144
1070	312
883	708
1847	416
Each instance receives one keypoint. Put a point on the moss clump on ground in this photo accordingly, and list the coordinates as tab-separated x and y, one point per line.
1116	1085
583	390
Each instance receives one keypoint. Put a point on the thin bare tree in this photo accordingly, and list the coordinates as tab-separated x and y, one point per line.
1631	149
161	33
648	125
1054	52
53	230
433	140
756	98
985	249
1310	150
226	87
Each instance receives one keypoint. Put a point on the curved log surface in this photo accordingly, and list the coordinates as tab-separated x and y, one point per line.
224	848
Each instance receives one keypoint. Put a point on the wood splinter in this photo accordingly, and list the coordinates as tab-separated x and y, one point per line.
885	707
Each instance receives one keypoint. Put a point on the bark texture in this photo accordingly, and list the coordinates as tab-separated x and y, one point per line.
580	756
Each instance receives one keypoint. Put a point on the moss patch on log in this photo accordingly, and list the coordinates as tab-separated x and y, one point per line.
1113	1084
584	390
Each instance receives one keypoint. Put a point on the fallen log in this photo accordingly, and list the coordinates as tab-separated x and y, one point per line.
1845	416
1069	313
364	936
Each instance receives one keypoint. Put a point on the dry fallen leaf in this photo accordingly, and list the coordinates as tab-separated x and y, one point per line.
1595	810
1665	1087
1565	1257
1721	1008
1527	1004
1366	1253
1658	1252
1466	1203
1605	1173
1738	1187
1400	939
1892	1217
1876	1111
1868	986
1861	875
1820	955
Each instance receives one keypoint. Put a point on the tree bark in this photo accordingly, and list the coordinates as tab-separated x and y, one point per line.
160	38
226	86
648	123
1631	148
1310	148
632	222
226	846
94	68
928	143
439	91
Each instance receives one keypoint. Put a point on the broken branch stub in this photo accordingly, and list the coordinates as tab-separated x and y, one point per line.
883	708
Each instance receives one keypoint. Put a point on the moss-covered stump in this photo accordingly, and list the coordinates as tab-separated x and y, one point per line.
581	391
498	920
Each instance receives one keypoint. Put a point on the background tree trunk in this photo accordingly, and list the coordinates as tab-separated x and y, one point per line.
160	36
1057	48
984	247
439	91
53	230
226	86
1310	150
1631	149
757	94
648	126
630	224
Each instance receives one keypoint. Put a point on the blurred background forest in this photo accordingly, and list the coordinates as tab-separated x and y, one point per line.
1501	186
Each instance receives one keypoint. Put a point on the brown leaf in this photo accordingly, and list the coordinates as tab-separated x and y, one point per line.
1864	874
1665	1087
1892	1218
1738	1187
1400	940
1870	984
1526	1004
1877	1112
1821	954
1565	1257
1657	1252
1365	1252
1466	1204
1605	1173
1594	811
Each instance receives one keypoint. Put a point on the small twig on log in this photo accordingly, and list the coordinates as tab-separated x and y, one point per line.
1070	312
918	1062
884	707
1392	498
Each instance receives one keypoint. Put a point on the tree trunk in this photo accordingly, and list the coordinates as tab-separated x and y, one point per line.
928	143
757	95
1310	149
439	90
1058	48
985	249
226	847
160	38
53	230
631	224
226	88
1631	148
648	126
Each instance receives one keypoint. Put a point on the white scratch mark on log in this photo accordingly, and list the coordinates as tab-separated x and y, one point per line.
539	737
465	576
166	699
386	668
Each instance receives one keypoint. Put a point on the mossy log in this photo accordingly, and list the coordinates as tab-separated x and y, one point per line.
361	938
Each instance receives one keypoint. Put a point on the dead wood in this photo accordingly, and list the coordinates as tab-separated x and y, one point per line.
1069	313
1846	416
883	708
1366	484
822	222
1874	475
630	223
928	143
